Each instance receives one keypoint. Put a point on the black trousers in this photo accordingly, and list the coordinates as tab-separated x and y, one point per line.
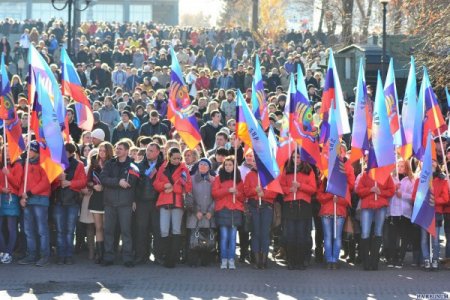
397	237
118	215
147	228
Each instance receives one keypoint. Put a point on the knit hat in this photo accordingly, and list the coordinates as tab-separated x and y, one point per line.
205	160
96	115
98	134
34	146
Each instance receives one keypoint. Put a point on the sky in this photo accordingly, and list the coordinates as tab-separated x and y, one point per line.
211	7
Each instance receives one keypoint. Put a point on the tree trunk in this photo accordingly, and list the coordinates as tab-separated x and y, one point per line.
255	15
347	20
322	14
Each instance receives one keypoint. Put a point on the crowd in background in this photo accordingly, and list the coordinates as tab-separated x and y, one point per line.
129	177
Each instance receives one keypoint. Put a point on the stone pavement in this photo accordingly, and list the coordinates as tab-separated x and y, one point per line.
85	280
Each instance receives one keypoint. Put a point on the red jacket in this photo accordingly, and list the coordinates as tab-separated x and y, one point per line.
202	83
326	199
78	182
224	199
37	182
441	197
307	186
250	184
180	185
368	198
14	178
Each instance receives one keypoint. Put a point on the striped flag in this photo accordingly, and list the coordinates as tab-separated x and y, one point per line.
391	98
409	112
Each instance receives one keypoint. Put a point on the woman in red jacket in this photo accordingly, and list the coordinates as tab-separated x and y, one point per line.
172	182
375	199
441	198
229	206
297	209
9	207
260	202
333	243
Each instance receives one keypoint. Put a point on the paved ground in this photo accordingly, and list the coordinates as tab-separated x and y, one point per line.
85	280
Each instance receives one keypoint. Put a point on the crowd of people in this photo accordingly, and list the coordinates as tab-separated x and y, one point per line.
133	188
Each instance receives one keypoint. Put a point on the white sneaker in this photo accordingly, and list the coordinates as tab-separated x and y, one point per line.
1	255
7	258
224	264
231	264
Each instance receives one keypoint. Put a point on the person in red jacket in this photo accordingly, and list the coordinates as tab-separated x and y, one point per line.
447	231
375	199
67	197
35	201
298	187
441	198
328	201
172	181
229	206
260	203
10	179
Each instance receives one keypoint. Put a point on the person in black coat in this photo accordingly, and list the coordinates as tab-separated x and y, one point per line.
146	211
101	125
81	75
125	129
154	126
98	75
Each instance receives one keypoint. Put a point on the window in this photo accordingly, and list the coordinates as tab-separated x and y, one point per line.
141	13
17	11
104	12
46	11
348	68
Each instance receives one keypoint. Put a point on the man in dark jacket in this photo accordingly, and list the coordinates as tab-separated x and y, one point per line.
119	178
147	215
98	75
101	125
74	130
154	126
209	130
125	129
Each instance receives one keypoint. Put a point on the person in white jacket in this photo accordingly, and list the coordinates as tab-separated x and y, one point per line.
399	215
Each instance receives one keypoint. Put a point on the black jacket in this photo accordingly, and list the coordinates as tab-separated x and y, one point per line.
145	190
148	129
103	126
208	133
112	173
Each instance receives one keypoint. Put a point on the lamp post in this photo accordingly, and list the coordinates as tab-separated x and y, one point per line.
71	4
383	55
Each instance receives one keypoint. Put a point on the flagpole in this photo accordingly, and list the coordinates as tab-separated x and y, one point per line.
443	156
295	169
27	159
234	173
431	250
376	195
335	214
396	162
5	158
203	148
259	184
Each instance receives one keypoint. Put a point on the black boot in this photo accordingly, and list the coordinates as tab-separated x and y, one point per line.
264	261
165	251
257	262
364	247
174	251
318	255
99	249
300	261
291	254
375	252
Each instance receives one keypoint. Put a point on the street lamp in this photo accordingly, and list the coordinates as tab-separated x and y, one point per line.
69	4
383	56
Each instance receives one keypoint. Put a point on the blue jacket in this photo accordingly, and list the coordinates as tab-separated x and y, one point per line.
218	63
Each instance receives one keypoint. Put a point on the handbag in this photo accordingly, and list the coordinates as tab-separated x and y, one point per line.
349	229
202	239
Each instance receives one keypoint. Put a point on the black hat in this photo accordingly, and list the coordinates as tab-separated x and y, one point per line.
34	146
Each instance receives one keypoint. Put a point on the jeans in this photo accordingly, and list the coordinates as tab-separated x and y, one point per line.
66	217
262	220
447	234
121	214
172	216
368	216
298	232
12	234
425	244
332	245
36	227
228	242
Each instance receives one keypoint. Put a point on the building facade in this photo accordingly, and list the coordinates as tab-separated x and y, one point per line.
158	11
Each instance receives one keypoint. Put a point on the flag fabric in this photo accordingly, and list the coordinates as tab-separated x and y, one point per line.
391	98
44	123
134	170
71	86
11	122
180	112
40	69
285	142
409	113
337	178
381	155
259	102
448	97
424	207
418	144
362	120
252	134
300	121
332	98
433	119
